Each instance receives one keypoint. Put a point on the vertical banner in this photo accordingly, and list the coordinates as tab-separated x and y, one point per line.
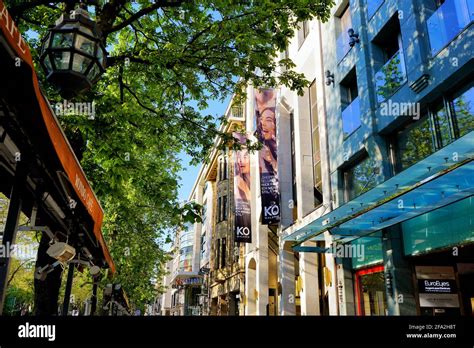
243	222
265	109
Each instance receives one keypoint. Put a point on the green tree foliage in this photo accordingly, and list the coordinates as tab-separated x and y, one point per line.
167	59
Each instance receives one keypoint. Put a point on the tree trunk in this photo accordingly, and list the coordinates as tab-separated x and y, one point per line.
47	291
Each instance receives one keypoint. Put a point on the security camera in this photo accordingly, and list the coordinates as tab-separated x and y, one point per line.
94	270
42	272
61	251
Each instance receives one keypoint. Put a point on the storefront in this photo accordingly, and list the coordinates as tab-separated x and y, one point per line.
41	177
410	239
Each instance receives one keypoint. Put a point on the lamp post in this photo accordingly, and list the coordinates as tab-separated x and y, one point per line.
73	55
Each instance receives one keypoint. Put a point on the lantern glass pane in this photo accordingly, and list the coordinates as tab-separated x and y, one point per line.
46	43
62	40
101	56
61	60
47	64
84	44
80	63
93	73
86	30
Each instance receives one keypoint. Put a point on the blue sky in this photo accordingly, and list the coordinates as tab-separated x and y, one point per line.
189	174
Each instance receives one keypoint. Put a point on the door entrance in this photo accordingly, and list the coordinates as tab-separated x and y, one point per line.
370	291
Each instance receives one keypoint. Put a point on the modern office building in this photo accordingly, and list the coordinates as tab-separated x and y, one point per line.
375	172
399	121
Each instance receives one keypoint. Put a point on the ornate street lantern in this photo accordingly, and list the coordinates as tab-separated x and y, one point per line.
73	55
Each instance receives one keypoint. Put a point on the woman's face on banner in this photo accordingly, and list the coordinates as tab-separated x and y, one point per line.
243	162
268	125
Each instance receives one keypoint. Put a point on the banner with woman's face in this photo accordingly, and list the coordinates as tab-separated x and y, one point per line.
243	222
265	109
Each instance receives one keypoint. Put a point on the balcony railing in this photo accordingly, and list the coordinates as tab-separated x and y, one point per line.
342	45
390	77
448	21
351	117
373	6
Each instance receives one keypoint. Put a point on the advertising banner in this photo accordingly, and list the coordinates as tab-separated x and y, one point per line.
265	108
243	225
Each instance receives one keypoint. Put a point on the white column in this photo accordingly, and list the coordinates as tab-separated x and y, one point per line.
332	288
304	156
309	275
262	270
286	277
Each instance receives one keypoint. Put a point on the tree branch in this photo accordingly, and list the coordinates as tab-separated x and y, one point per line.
143	12
16	271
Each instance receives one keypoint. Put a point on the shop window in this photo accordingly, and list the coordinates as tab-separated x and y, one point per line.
350	104
359	178
317	175
443	227
370	291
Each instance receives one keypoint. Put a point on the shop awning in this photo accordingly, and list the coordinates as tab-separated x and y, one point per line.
66	156
443	178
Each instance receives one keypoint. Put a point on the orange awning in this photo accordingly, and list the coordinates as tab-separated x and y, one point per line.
63	149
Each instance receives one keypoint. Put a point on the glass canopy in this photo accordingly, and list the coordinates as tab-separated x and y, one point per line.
445	177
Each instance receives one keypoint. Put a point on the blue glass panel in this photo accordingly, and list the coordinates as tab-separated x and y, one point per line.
342	45
464	112
371	250
351	117
448	21
440	228
372	6
390	77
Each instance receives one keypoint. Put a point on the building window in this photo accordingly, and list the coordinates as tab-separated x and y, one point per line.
223	252
443	123
203	244
303	32
392	73
342	41
462	108
359	178
350	104
218	209
218	253
316	149
293	166
224	208
413	143
224	168
448	20
373	6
